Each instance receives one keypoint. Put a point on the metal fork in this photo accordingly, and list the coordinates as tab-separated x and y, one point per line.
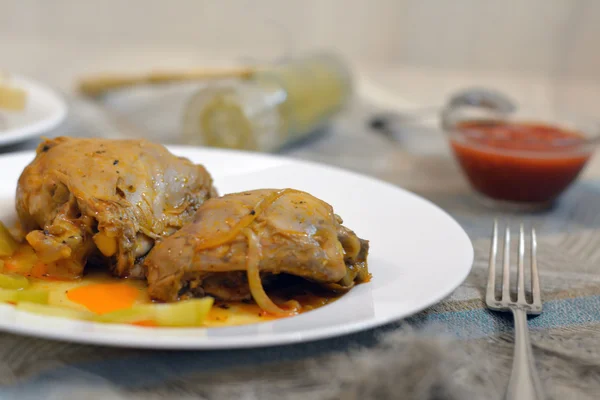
524	383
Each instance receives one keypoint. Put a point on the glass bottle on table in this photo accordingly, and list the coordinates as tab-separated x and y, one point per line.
276	106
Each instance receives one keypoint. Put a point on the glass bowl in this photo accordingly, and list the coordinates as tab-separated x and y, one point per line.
517	160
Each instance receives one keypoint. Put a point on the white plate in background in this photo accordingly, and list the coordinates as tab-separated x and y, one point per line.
44	111
418	256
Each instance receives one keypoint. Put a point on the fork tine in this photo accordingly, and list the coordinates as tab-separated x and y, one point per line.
521	268
491	285
535	279
506	268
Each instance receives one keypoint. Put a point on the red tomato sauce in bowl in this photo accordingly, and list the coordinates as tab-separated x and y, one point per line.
519	162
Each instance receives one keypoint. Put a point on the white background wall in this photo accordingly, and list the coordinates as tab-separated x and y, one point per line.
61	39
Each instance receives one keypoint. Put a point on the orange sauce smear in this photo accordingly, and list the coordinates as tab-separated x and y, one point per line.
102	298
145	324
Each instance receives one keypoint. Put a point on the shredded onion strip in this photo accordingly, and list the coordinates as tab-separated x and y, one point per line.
256	288
260	207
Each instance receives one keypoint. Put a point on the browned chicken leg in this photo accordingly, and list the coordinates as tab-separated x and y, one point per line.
238	241
107	198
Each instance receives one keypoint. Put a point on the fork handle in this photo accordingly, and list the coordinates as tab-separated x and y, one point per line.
524	383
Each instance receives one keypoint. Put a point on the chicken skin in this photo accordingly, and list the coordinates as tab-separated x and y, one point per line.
106	199
237	242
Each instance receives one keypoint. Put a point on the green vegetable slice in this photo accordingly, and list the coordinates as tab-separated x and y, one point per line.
7	295
27	295
181	314
32	296
127	316
13	281
52	311
8	244
184	313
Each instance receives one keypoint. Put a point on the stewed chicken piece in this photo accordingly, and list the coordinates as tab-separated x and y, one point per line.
111	199
239	242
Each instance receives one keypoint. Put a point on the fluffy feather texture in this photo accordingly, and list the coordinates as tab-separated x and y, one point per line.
403	364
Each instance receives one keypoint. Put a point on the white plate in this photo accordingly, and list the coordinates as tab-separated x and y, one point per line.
418	256
45	110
